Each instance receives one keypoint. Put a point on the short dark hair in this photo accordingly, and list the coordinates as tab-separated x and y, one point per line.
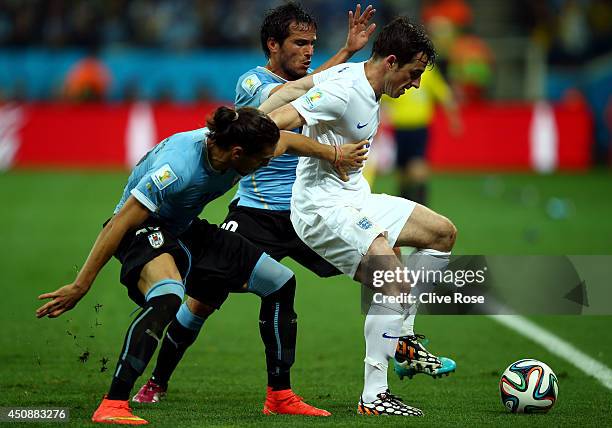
277	23
405	40
246	127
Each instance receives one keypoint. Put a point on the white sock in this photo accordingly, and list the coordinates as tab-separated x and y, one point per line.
430	260
408	324
379	320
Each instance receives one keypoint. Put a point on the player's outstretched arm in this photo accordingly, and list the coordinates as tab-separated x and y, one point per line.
288	92
287	117
359	33
65	298
345	158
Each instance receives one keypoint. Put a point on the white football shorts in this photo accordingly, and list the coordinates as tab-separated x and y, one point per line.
343	234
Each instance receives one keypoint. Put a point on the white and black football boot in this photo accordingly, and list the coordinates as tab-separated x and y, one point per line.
411	353
387	404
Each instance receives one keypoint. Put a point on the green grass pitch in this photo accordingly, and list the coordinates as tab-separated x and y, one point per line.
49	220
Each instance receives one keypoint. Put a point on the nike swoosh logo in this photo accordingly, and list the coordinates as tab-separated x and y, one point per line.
359	125
386	336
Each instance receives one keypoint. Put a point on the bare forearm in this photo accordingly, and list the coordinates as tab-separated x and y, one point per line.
132	214
287	117
300	145
103	249
287	93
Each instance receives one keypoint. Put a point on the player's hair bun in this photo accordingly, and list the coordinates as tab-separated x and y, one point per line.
222	120
246	127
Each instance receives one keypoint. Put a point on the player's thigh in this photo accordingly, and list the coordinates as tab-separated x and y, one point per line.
427	229
268	230
312	261
160	268
149	254
224	266
379	257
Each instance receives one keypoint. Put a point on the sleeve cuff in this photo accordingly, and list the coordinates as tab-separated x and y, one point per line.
144	200
265	92
303	112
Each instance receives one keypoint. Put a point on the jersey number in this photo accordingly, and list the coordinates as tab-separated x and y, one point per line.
230	226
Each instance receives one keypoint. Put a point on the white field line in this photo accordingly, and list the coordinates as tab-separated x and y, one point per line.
557	346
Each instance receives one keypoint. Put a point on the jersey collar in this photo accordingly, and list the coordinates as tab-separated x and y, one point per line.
276	76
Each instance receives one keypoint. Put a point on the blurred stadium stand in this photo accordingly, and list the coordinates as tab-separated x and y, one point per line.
194	50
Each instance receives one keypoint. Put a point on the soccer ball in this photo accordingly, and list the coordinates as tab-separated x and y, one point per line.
528	386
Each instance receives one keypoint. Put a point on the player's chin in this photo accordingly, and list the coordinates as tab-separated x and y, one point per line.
400	92
246	171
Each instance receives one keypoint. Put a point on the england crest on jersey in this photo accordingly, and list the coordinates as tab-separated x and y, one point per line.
156	239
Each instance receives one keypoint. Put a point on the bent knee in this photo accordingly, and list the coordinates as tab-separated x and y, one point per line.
446	236
198	308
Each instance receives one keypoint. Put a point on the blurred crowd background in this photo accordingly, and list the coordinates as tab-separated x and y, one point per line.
184	50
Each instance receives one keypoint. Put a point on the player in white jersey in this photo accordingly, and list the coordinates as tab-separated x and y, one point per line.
343	221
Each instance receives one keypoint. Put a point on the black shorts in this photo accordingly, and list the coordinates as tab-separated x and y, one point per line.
411	144
273	232
213	261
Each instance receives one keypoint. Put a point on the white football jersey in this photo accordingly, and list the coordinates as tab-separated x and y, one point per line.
341	108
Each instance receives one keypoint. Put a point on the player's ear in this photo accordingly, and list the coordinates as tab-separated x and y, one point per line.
273	45
390	61
237	152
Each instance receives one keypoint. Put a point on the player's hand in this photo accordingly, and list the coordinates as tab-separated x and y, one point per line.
342	173
351	156
63	299
359	31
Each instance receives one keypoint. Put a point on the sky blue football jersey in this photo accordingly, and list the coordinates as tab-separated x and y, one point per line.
269	187
175	180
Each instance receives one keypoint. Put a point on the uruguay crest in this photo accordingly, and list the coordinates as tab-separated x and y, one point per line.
156	239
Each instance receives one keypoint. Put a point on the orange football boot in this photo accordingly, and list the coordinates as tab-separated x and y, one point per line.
286	402
116	412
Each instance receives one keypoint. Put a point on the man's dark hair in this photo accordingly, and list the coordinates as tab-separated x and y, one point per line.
246	127
277	23
405	40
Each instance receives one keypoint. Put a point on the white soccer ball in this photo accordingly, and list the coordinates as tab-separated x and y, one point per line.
528	386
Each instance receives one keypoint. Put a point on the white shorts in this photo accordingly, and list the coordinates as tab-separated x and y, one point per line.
343	234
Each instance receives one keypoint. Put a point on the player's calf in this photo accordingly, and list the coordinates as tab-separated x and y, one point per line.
143	336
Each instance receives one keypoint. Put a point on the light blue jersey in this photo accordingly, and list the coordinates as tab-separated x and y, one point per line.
269	187
175	180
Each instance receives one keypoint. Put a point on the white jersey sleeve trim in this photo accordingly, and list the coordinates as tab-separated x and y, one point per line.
144	200
265	92
323	103
310	121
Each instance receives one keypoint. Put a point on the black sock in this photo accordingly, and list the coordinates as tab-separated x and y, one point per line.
140	342
278	326
176	341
